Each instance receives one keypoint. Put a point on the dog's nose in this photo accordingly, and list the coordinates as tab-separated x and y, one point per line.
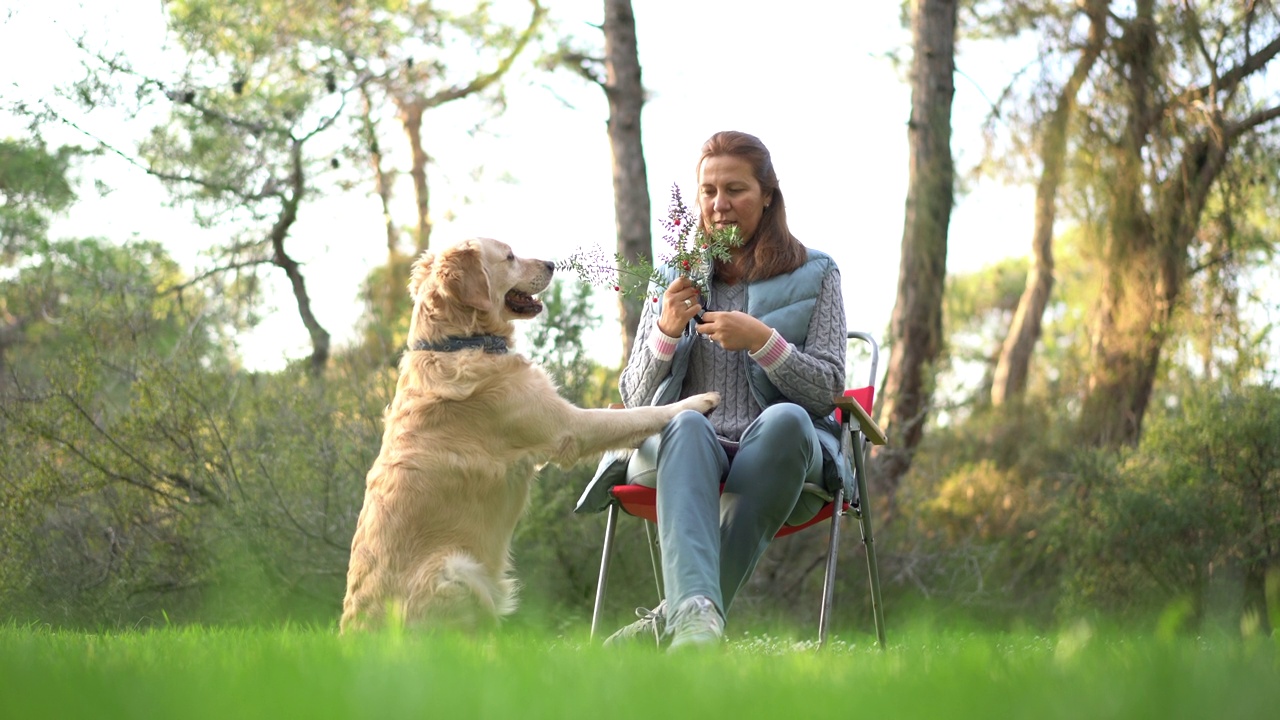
551	267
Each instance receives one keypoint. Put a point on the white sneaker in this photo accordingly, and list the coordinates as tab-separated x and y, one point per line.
648	628
695	623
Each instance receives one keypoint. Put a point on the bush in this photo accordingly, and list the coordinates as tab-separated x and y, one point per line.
1193	512
154	481
970	526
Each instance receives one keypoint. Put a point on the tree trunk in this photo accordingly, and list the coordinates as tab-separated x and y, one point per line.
625	92
1129	327
1148	262
411	110
1255	596
383	181
412	103
1014	363
1146	254
385	298
916	324
11	334
1129	333
280	231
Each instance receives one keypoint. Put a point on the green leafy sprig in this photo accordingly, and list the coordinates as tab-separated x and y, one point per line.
693	252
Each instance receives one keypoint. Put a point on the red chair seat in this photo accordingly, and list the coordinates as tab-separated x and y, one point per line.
642	502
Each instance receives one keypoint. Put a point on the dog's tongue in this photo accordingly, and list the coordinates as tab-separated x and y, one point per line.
523	303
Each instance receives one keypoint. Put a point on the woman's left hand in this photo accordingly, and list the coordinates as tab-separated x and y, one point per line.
735	330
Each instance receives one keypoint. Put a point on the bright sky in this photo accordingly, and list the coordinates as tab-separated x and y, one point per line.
811	78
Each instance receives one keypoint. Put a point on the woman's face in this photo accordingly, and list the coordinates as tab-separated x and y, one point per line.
728	194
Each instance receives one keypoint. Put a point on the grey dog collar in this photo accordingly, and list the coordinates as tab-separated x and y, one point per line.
491	344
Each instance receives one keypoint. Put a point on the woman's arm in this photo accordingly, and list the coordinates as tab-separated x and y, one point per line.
814	377
649	362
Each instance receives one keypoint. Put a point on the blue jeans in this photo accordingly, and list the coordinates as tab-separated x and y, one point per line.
711	542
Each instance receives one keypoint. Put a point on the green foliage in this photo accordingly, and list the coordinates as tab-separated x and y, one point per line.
261	119
974	509
1005	513
384	325
88	498
976	311
558	341
203	495
152	475
301	447
1192	512
1224	336
158	480
88	295
286	69
33	186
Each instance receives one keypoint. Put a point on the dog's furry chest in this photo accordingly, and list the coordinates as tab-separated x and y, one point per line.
460	418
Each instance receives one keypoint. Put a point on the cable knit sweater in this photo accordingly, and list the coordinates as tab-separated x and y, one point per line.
811	377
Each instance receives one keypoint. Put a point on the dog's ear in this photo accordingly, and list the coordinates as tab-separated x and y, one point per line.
462	274
420	271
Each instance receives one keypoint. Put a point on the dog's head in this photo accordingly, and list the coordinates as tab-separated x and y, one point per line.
475	287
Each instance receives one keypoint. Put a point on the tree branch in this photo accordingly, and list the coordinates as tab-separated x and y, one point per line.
181	287
279	232
587	67
1261	117
482	81
1228	80
77	451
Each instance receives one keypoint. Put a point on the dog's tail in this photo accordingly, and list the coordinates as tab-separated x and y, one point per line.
453	588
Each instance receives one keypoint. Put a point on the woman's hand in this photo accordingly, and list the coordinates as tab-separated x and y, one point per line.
735	330
679	305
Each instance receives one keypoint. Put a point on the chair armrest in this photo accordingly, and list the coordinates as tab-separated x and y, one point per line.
851	408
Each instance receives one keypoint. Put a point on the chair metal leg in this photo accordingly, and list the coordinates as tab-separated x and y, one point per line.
606	555
864	522
654	550
829	579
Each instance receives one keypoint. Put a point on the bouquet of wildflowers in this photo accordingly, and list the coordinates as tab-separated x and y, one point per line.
693	252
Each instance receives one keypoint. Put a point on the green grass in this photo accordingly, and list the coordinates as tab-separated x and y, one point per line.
312	673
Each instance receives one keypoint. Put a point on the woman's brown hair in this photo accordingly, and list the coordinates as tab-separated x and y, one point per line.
772	250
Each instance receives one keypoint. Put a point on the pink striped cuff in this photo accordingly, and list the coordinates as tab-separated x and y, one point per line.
661	344
775	350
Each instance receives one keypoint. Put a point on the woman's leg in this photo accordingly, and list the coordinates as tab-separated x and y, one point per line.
777	454
691	465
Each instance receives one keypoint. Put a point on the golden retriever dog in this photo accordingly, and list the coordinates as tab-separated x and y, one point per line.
470	425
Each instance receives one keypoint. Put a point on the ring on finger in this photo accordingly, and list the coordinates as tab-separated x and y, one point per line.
688	303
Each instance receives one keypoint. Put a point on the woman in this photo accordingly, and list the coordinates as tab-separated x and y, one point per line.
769	336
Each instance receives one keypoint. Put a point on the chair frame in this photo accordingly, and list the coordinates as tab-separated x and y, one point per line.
857	433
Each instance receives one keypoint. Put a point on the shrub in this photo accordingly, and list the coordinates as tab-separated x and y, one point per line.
1193	512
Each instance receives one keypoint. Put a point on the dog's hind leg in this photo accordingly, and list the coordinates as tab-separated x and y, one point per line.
452	589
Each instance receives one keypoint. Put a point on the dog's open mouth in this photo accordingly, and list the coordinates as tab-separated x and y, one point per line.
522	303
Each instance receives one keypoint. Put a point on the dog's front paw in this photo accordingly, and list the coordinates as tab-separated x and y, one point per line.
703	403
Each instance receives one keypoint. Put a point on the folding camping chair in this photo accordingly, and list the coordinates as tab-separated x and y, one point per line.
857	431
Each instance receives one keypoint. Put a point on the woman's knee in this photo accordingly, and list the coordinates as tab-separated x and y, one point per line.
688	435
785	420
689	446
784	437
689	422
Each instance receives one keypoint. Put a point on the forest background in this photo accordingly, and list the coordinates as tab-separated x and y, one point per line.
208	209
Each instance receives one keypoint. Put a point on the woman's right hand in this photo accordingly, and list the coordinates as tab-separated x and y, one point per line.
679	306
